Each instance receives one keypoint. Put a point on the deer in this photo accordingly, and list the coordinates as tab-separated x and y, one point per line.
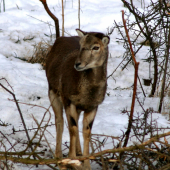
76	70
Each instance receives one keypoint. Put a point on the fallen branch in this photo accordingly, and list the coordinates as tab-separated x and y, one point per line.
82	158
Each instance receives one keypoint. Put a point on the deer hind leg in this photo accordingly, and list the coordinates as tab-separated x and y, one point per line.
72	118
59	123
87	126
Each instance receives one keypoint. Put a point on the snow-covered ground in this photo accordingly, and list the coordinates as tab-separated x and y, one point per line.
29	83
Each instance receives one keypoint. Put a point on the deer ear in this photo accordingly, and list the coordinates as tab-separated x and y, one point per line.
80	33
105	40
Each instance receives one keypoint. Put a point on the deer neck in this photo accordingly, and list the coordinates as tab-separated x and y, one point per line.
97	75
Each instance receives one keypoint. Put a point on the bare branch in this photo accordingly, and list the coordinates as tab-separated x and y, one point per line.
53	17
135	84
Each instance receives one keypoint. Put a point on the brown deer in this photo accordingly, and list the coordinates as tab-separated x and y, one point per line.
76	70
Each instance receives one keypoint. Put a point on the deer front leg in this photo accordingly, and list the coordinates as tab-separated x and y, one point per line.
59	123
87	126
78	146
72	118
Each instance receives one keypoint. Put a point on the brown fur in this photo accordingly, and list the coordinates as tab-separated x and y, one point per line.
76	73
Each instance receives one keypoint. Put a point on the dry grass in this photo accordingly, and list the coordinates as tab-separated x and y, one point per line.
40	54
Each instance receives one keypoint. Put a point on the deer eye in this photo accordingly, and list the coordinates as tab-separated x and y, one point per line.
95	48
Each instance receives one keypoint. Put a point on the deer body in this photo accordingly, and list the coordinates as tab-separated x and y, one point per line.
76	73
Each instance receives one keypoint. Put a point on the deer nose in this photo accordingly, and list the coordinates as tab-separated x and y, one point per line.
77	64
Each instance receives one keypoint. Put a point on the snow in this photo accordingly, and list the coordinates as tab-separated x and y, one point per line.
28	81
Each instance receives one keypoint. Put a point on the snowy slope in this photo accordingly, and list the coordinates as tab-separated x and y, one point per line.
29	83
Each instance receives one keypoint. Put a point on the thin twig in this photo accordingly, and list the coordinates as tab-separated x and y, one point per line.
79	12
62	17
19	110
